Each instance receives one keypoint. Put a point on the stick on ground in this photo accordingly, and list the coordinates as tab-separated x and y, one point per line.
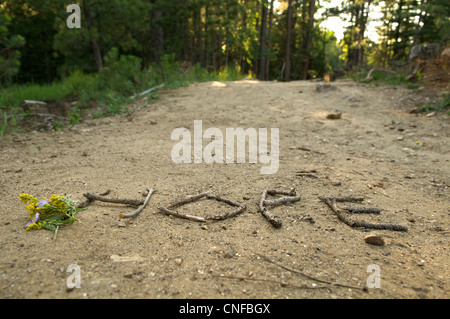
181	215
308	276
281	201
191	199
275	220
141	208
362	210
187	200
88	201
131	202
227	215
331	202
282	284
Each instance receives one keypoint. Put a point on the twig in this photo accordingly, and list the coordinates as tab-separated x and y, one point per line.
191	199
141	208
181	215
147	91
131	202
331	202
187	200
262	200
380	226
308	173
275	220
282	284
362	210
347	199
88	201
225	200
308	276
308	150
291	192
223	216
281	201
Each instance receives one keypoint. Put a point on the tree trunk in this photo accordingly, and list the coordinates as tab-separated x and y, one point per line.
262	42
95	47
157	35
309	39
269	44
397	45
287	69
206	48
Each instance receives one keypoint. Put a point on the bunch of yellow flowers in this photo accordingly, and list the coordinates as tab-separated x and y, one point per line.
50	213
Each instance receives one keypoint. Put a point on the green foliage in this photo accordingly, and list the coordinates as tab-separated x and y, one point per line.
83	86
9	54
127	46
122	73
443	105
385	78
15	95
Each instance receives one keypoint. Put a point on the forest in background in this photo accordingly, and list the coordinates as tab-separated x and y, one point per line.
127	46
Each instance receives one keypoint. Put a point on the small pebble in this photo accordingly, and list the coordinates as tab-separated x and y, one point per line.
230	252
336	184
178	261
374	240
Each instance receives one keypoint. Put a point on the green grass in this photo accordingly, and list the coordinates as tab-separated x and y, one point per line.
386	78
14	96
110	89
442	105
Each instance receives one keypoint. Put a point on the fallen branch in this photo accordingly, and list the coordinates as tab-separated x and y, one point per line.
181	215
141	208
130	202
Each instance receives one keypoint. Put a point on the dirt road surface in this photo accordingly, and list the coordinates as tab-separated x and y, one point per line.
398	161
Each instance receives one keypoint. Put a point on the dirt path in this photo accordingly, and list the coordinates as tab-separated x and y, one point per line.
398	161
